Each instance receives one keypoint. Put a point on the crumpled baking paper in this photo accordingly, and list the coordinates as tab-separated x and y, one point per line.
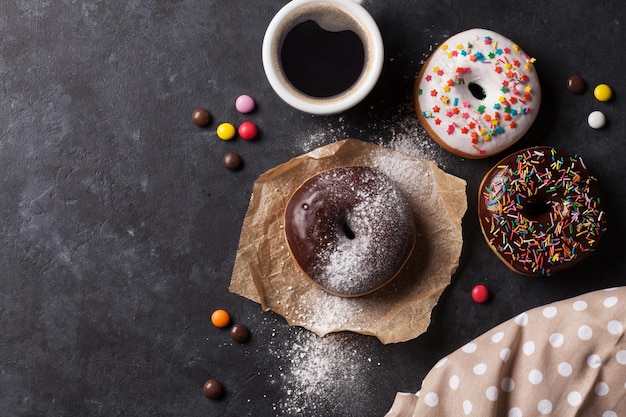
265	273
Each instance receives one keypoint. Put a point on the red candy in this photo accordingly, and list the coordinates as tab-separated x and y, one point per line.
247	131
480	293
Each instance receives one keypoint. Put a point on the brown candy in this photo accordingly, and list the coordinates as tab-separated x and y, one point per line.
575	84
232	161
213	389
201	117
239	333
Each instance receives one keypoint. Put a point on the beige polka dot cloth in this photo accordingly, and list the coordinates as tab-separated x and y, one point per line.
564	359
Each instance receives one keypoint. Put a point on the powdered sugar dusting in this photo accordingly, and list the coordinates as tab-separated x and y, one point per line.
365	262
400	131
350	229
327	313
405	134
403	171
320	373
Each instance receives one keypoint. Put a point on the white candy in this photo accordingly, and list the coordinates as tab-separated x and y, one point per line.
596	119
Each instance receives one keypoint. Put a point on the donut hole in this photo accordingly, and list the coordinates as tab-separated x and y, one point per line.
536	206
477	91
347	231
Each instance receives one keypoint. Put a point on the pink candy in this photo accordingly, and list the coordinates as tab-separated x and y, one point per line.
244	104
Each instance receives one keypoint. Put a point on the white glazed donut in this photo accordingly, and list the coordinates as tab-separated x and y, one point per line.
477	94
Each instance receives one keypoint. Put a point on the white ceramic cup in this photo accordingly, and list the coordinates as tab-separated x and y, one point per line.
332	16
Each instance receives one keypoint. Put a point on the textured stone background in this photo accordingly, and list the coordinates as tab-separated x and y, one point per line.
119	226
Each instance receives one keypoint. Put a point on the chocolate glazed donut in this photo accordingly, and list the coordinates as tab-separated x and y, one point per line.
349	230
540	210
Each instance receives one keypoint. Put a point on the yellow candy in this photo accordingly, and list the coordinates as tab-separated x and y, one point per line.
226	131
602	92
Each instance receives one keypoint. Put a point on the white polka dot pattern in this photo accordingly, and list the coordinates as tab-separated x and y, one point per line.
497	337
544	407
431	399
535	377
556	339
565	369
454	382
565	359
492	393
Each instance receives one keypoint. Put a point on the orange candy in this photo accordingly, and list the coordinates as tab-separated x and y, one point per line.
220	318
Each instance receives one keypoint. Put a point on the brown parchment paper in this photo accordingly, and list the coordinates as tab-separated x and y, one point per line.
264	271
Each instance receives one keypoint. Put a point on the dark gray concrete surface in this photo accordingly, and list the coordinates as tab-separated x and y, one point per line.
119	225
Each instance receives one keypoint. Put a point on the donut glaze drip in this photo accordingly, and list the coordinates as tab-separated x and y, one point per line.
477	94
540	210
350	230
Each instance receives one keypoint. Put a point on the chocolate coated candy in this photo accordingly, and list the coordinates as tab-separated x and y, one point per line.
201	117
602	92
480	293
244	104
226	131
247	131
232	161
575	84
596	119
239	333
213	389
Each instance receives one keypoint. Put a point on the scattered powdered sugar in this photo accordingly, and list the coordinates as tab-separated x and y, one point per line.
405	172
404	133
320	374
315	140
400	131
326	313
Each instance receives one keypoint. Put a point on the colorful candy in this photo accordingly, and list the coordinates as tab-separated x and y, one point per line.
201	117
239	333
213	389
602	92
596	119
244	104
220	318
575	84
226	131
231	161
247	131
480	293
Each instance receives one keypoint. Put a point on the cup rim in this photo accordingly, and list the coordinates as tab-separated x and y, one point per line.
345	103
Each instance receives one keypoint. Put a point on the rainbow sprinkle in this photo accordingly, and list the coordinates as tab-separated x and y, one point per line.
542	210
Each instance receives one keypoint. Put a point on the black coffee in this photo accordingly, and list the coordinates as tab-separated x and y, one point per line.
320	63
